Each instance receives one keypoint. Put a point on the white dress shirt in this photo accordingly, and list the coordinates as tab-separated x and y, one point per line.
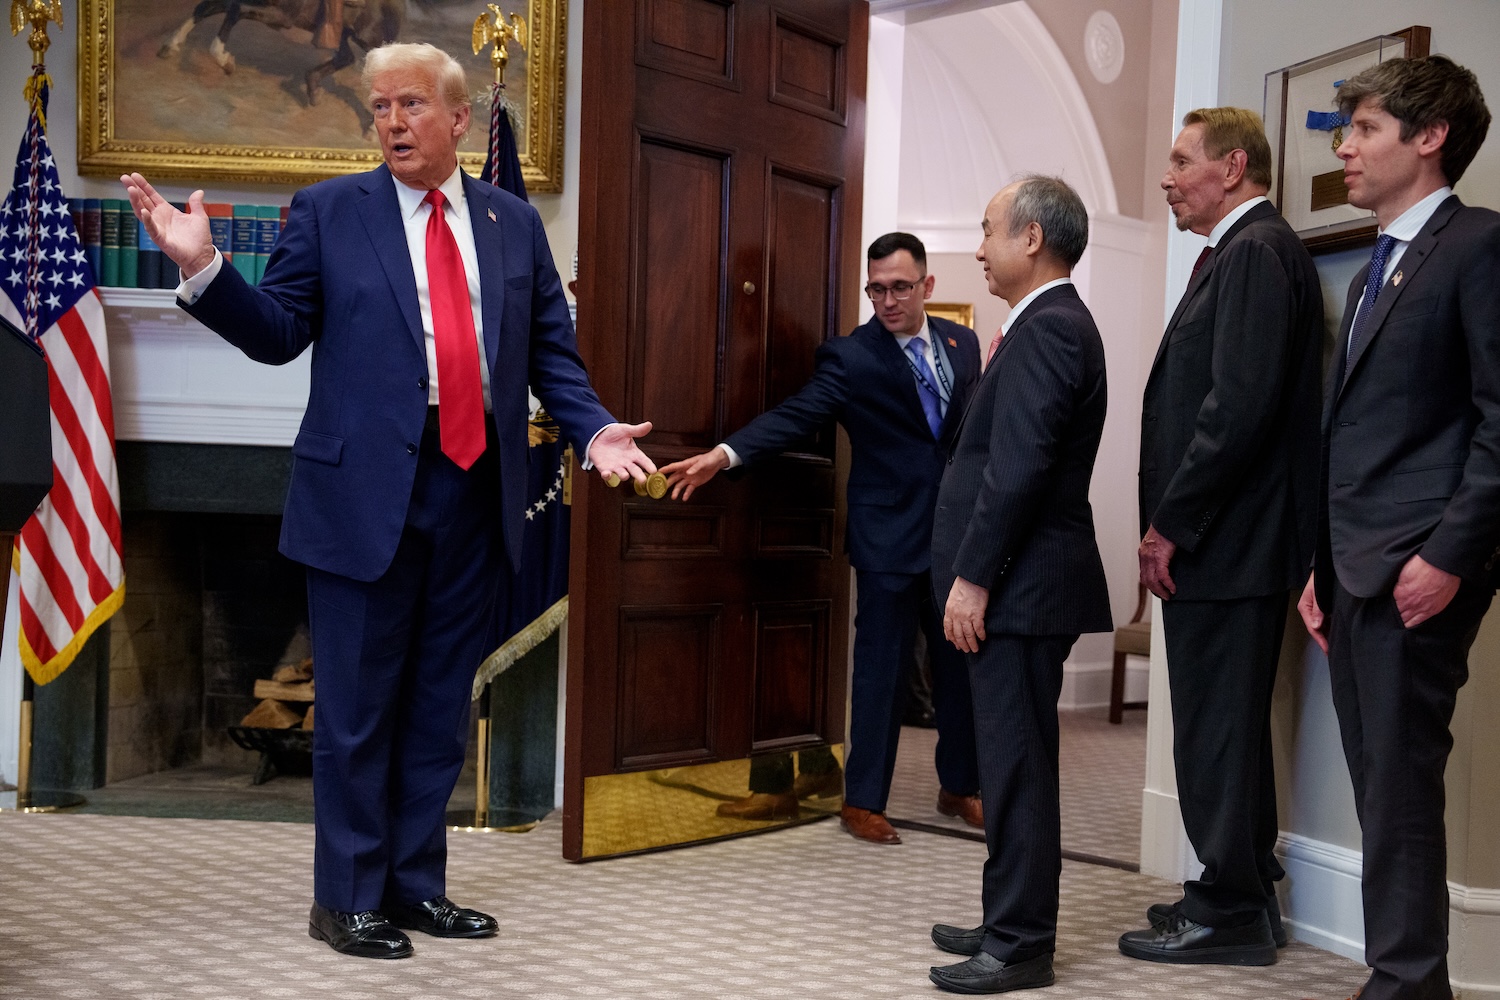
1217	233
1020	307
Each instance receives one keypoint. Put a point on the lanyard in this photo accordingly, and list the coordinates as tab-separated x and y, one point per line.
942	374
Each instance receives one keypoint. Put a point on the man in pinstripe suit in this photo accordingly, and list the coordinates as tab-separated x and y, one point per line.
1016	565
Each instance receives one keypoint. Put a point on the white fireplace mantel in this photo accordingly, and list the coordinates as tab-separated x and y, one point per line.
173	380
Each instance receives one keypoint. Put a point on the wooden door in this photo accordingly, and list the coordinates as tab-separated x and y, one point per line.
719	244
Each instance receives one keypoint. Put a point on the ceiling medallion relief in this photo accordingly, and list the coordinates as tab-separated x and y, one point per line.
1104	46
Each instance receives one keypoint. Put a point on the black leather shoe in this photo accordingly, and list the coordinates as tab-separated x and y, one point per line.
364	935
1157	914
1184	942
958	940
984	973
439	917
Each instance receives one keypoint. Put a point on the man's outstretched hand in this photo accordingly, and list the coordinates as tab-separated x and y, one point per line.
687	475
614	452
182	236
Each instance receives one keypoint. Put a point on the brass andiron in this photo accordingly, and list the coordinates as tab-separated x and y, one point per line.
489	29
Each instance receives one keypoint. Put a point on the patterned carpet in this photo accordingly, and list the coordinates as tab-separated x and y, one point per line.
171	909
1103	769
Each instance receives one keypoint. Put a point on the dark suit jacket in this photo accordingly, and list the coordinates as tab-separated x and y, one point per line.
341	280
1013	510
1411	440
864	382
1230	406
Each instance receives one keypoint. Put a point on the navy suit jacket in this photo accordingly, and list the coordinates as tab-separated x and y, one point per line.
864	382
1411	439
341	279
1013	512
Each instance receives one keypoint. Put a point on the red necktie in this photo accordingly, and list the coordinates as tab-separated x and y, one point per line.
460	399
994	346
1198	264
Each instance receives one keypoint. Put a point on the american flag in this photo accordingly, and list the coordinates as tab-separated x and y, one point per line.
72	576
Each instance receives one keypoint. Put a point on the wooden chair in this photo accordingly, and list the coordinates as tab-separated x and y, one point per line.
1131	639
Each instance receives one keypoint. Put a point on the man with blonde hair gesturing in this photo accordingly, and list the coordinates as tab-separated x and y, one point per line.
430	301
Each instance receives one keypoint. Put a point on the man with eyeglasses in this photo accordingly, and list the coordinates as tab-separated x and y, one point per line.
898	385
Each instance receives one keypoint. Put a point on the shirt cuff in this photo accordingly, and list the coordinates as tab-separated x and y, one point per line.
586	464
193	287
734	460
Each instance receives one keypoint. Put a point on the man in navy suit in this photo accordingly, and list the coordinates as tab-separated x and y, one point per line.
898	385
1015	561
1409	505
430	301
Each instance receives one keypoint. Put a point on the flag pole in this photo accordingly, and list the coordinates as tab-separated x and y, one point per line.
36	14
490	29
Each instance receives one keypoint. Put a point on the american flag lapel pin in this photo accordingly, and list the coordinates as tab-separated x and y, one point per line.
1397	279
491	213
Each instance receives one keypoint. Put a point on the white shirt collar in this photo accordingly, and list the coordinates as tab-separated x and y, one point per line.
924	335
410	198
1235	214
1410	222
1020	307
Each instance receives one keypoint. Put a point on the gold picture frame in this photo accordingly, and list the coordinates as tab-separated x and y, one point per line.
1307	182
961	313
179	112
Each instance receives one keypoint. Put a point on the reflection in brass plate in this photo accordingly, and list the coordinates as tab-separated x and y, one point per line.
961	313
1328	190
656	485
625	813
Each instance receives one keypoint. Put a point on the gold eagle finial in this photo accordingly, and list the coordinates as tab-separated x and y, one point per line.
491	29
35	13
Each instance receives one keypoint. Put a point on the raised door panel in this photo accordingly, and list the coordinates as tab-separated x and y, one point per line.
807	68
676	339
791	654
668	671
692	38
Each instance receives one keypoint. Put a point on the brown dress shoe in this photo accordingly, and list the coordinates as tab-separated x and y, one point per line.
761	805
966	807
867	825
819	786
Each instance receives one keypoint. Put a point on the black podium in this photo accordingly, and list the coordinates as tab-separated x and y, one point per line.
25	479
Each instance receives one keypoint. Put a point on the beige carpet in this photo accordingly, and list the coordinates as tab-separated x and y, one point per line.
172	909
1102	771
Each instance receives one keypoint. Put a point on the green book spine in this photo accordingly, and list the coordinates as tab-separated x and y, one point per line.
129	247
242	241
109	215
267	228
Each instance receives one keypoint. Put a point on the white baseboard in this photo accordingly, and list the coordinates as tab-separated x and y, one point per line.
1086	685
1321	905
1320	896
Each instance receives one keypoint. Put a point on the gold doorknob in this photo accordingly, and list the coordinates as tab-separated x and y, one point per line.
749	288
655	486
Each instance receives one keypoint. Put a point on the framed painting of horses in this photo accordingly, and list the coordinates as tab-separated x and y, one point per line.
268	92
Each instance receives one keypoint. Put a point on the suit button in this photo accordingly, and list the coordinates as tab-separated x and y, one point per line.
422	383
411	449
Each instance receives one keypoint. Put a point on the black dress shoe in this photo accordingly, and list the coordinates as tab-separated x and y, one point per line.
439	917
1184	942
1157	914
984	973
958	940
364	935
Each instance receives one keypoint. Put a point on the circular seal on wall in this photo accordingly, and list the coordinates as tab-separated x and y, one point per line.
1104	46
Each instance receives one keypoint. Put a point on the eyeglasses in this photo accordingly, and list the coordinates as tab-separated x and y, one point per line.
900	291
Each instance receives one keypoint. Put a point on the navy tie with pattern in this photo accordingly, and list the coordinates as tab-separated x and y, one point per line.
1373	283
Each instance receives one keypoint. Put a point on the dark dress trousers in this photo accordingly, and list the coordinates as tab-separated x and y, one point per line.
1013	515
1411	466
405	552
1227	474
864	382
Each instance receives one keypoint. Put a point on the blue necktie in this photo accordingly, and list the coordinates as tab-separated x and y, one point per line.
932	403
1373	282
